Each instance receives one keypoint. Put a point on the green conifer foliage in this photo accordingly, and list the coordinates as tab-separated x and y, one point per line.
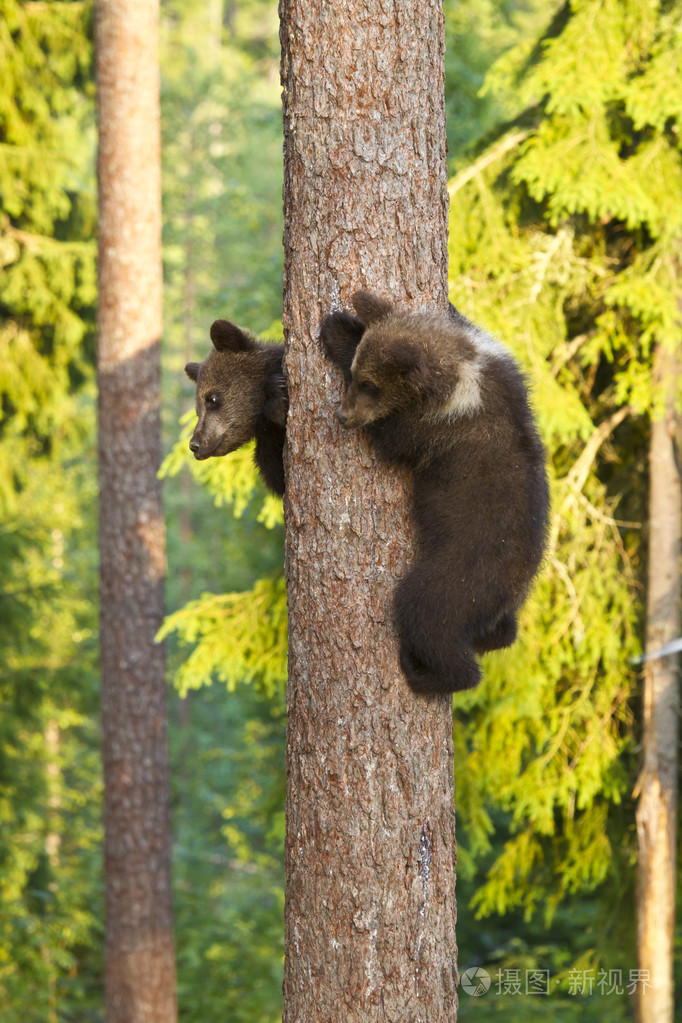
47	287
564	240
48	764
221	119
564	232
222	257
475	35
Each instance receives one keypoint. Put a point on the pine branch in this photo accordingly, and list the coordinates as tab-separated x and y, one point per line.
36	242
578	474
489	157
562	355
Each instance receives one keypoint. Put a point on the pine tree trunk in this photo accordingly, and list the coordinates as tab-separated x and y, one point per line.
657	809
370	849
53	839
140	969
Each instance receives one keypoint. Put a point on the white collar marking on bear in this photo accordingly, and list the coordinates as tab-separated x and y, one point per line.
466	397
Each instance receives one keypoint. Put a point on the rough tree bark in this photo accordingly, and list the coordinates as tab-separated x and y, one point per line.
140	968
370	901
657	808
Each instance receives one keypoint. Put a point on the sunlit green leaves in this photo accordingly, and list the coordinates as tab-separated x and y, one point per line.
237	637
47	252
564	241
232	480
222	257
49	811
602	146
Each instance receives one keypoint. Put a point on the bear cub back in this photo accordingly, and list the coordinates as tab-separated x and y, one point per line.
439	395
241	394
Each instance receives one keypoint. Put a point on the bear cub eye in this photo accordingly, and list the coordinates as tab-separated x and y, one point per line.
212	401
368	388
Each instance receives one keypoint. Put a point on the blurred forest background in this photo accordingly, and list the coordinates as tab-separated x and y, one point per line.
566	220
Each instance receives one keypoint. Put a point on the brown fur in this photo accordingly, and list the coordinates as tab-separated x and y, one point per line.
241	394
439	395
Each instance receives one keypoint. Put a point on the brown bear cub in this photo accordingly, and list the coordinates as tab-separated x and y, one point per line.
241	393
439	395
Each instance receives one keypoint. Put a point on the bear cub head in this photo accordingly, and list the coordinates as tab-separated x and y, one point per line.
393	358
238	385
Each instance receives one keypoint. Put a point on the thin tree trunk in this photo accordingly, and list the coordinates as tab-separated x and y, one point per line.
140	968
657	809
370	849
53	841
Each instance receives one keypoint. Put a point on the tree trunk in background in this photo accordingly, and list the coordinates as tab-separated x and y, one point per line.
657	809
370	849
140	968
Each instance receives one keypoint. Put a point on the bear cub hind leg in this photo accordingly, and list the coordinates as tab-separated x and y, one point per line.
462	671
501	635
435	649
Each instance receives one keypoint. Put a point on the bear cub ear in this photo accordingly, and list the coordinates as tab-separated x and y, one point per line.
228	337
409	357
370	307
192	370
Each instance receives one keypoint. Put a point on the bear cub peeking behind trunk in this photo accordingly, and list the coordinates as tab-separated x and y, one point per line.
241	393
439	395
